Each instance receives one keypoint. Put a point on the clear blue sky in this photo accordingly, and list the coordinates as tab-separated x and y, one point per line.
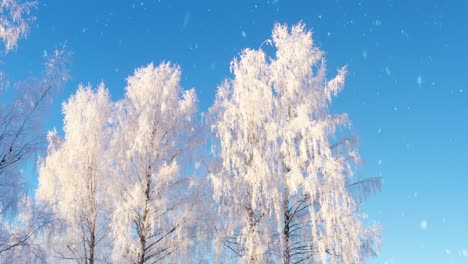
406	94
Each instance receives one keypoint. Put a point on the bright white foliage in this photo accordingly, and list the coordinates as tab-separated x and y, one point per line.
275	144
14	21
74	177
282	181
154	129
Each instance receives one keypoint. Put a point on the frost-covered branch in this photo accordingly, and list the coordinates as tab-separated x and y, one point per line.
15	21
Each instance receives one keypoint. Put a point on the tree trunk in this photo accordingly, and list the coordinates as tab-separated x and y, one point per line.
287	222
92	223
143	231
252	230
141	259
92	245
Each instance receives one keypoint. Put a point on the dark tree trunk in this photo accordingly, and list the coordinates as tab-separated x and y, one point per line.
286	231
143	230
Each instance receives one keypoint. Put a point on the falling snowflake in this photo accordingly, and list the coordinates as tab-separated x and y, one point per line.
423	225
419	80
186	19
387	71
463	253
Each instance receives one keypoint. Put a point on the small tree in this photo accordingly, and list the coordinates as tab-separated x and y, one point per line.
154	130
283	185
74	177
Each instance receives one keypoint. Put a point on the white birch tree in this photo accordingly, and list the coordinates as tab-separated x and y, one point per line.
242	108
155	129
74	178
284	181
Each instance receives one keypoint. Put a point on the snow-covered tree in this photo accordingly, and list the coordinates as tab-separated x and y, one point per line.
284	183
154	131
21	219
15	21
21	137
20	107
74	178
240	184
20	119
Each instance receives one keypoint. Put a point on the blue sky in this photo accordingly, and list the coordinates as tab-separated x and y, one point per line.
406	93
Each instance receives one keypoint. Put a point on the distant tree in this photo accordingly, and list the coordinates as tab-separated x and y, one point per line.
155	129
284	182
74	178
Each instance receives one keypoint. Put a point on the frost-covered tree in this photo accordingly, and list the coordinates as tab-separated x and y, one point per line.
20	120
20	107
241	111
284	182
15	21
74	178
21	137
154	130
